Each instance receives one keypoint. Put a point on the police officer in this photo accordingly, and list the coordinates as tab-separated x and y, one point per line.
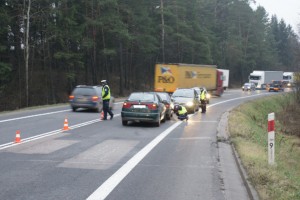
203	100
106	99
181	112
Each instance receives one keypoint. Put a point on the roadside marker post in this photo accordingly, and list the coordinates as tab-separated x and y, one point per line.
271	138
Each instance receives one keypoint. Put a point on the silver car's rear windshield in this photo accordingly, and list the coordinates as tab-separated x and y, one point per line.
84	91
183	93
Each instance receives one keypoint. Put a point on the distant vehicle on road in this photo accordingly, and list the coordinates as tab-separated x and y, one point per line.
248	87
143	107
262	78
288	79
274	87
88	97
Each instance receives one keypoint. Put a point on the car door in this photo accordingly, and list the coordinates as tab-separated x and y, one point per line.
162	107
196	99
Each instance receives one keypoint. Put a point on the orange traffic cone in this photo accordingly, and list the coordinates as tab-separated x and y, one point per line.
66	126
18	137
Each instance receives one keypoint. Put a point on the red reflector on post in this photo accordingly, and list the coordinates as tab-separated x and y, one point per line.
271	126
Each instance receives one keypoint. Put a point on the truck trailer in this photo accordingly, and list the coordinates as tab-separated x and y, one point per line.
169	77
262	78
225	78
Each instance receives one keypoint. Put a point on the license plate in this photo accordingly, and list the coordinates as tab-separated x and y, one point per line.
139	106
83	99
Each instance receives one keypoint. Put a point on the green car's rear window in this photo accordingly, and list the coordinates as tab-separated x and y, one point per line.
141	97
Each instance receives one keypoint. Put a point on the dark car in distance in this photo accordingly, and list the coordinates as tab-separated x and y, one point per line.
143	107
166	98
88	97
274	87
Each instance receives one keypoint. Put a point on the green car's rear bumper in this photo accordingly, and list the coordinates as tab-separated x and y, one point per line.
142	117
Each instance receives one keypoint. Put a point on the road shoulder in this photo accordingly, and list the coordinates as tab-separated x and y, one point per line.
232	174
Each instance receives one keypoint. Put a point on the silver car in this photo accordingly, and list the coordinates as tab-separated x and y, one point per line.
188	98
89	97
248	87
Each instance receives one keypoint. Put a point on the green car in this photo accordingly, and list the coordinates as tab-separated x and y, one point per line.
143	107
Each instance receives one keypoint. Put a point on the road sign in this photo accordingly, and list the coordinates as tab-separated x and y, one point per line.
271	138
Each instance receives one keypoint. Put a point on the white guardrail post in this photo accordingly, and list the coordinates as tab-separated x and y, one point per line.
271	138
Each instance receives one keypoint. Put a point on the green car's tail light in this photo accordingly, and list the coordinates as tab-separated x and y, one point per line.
152	106
126	105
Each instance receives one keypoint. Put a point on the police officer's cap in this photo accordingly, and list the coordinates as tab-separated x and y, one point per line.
104	82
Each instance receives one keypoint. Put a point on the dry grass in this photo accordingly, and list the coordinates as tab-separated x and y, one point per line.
248	129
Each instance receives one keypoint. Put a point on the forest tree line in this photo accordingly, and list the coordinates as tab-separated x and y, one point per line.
47	47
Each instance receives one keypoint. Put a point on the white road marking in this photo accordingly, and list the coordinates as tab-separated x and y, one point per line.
30	116
235	99
105	189
43	135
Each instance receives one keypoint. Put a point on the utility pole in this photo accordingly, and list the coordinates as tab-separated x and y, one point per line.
27	50
162	30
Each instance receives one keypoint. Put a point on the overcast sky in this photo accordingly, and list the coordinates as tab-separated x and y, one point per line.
288	10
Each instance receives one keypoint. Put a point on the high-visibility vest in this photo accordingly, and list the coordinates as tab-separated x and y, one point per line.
202	96
182	111
107	97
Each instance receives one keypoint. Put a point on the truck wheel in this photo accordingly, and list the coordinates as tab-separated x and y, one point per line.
124	122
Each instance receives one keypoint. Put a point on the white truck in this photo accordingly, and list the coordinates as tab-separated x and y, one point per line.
225	78
262	78
288	78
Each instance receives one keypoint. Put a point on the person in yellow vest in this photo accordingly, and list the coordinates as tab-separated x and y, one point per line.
105	100
203	101
181	112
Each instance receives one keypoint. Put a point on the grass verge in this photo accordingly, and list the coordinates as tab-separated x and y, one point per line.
248	125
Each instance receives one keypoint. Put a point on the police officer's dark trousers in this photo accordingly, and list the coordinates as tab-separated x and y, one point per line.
106	109
203	106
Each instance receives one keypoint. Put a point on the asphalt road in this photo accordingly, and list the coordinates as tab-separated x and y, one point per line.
104	160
